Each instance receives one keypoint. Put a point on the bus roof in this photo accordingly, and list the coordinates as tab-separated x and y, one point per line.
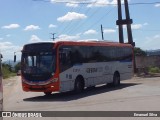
85	43
93	43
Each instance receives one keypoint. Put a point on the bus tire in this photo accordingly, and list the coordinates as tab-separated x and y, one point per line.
116	79
79	85
47	93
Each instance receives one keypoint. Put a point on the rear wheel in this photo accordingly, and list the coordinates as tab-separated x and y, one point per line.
47	93
116	80
79	85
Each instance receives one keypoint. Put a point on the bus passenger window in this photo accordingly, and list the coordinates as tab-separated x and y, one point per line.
65	61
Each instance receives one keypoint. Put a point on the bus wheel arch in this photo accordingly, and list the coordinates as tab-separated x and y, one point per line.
79	84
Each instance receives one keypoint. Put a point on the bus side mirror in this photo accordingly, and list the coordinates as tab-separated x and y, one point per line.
14	58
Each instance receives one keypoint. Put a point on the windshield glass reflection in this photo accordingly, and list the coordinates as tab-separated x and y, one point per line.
38	63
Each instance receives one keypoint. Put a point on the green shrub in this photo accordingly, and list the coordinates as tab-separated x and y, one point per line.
7	72
154	70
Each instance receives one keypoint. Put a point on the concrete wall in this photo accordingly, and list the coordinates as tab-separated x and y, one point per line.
147	61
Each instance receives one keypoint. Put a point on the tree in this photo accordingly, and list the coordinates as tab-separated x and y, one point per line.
7	66
139	52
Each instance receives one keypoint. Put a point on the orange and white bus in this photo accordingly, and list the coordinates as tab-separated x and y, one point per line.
67	65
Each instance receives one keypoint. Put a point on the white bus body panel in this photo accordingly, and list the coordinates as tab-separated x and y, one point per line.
95	73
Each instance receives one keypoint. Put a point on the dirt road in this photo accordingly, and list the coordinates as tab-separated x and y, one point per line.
137	94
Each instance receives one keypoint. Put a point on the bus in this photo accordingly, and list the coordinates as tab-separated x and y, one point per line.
1	87
63	66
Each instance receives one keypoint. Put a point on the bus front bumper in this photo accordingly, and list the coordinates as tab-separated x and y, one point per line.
52	87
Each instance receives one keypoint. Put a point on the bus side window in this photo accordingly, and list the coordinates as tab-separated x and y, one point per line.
65	62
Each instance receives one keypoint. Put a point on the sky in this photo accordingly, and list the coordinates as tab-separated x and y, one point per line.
27	21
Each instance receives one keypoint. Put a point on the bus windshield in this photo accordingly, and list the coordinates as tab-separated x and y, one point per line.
40	64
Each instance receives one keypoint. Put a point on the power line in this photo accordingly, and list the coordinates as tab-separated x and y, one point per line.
41	0
74	2
95	23
143	3
149	30
101	18
83	22
78	22
65	28
63	22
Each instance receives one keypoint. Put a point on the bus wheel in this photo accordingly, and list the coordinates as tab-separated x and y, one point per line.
116	79
47	93
79	85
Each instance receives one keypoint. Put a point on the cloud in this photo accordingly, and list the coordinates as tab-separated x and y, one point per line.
106	31
31	27
145	24
5	45
72	5
137	26
99	3
156	37
114	2
34	38
52	1
70	1
11	26
8	49
91	3
150	43
89	32
52	26
157	5
68	37
103	3
8	35
71	16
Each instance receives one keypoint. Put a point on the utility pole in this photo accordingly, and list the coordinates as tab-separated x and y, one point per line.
53	38
102	32
129	22
120	22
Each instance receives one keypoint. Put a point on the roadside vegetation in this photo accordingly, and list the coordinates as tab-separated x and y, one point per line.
9	71
147	70
139	52
154	70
